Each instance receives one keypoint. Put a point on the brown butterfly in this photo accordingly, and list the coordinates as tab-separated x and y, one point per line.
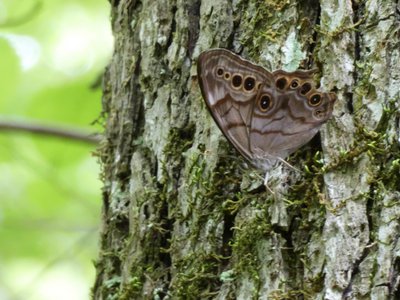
266	116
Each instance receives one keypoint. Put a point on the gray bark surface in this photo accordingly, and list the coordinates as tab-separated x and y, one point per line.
182	217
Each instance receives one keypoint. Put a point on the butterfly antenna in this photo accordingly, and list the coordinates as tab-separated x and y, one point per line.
288	165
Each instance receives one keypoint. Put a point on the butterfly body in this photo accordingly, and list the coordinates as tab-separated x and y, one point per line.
265	115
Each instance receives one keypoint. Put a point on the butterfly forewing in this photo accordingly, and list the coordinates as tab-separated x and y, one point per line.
229	86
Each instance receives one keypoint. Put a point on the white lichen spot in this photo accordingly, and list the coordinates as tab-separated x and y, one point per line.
293	54
227	276
147	33
162	40
376	110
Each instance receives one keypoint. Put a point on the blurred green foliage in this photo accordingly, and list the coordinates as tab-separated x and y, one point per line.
51	53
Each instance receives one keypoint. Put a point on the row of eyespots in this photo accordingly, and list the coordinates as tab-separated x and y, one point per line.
281	84
237	81
249	83
265	103
313	100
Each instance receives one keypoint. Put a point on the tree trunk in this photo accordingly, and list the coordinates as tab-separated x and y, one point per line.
182	219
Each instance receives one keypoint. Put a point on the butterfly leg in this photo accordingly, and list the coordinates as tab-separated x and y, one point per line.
266	183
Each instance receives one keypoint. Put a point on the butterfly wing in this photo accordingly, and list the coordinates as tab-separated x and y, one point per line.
264	115
287	115
229	85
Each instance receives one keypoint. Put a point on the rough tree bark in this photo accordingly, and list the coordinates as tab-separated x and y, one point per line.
182	219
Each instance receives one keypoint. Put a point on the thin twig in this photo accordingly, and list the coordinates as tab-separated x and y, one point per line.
49	130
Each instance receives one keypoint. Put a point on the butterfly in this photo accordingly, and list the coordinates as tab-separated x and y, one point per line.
265	115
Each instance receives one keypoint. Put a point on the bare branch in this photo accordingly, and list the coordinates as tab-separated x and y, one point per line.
50	130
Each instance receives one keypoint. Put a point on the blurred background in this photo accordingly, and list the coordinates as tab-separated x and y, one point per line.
52	55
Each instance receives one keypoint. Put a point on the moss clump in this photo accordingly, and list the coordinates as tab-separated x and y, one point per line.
132	289
246	240
259	23
197	278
